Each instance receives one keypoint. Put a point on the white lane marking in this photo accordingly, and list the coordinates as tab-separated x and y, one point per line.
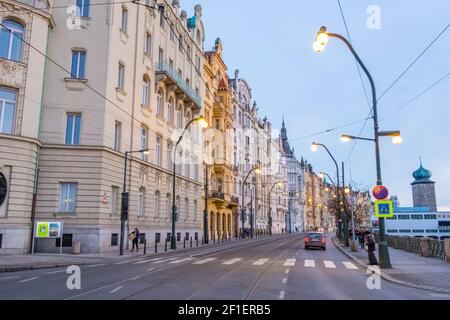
440	295
260	262
232	261
284	281
165	260
8	278
53	272
29	279
151	269
310	263
281	295
349	265
116	289
145	261
182	260
290	263
287	271
97	265
205	261
137	277
123	262
329	264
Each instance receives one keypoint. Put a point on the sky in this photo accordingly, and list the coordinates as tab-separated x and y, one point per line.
270	42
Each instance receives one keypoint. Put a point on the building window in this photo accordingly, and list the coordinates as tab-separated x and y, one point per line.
145	95
8	100
67	198
417	217
114	239
158	150
121	76
66	241
170	110
148	44
168	205
114	200
195	209
117	135
179	118
160	104
124	20
78	64
73	128
157	204
141	201
162	19
430	217
186	205
188	165
11	36
144	143
83	8
169	155
161	58
404	217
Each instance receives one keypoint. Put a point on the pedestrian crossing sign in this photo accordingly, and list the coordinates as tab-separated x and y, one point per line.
384	209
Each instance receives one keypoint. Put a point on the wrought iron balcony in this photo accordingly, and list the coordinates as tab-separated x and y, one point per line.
218	195
235	199
167	74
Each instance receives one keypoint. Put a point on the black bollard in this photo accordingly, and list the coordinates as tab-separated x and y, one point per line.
156	246
184	243
165	247
191	243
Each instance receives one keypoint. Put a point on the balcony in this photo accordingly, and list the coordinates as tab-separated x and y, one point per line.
235	200
217	195
170	77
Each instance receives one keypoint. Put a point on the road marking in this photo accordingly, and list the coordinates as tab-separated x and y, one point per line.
281	295
310	263
349	265
137	277
53	272
97	265
284	281
182	260
8	278
116	289
151	269
29	279
205	261
290	263
144	261
287	271
329	264
440	295
123	262
165	260
232	261
260	262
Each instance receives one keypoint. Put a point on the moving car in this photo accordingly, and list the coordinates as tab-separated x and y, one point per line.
315	240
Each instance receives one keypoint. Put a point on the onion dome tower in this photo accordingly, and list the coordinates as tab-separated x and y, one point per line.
423	190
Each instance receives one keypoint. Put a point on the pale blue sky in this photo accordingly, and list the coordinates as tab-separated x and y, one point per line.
270	42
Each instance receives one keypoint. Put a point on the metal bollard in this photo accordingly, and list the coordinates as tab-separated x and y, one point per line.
197	241
145	247
184	243
165	246
191	243
203	241
156	246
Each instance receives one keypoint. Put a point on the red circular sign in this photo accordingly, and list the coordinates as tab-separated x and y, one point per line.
380	192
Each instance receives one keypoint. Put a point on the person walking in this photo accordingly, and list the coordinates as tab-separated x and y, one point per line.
134	237
371	245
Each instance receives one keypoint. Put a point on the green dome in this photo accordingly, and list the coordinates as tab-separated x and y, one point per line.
422	174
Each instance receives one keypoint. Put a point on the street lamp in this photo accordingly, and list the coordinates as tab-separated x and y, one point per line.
314	147
257	170
203	124
279	184
125	198
320	43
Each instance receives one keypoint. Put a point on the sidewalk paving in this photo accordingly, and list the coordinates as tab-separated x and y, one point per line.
408	269
47	260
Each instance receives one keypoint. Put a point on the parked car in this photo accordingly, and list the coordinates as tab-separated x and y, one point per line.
315	240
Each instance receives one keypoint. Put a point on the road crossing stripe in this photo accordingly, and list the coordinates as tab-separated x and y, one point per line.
53	272
123	262
281	295
96	265
166	260
205	261
116	289
8	278
310	263
260	262
182	260
349	265
144	261
29	279
329	264
284	280
289	263
232	261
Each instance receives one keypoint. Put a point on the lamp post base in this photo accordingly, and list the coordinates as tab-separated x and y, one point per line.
385	262
173	243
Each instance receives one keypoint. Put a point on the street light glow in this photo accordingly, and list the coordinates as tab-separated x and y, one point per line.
314	147
202	122
322	38
346	138
397	140
318	47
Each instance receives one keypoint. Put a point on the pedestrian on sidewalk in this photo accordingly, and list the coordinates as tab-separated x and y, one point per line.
361	239
371	245
134	237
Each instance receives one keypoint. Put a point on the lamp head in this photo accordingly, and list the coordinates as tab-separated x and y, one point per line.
202	122
397	140
314	147
346	138
321	40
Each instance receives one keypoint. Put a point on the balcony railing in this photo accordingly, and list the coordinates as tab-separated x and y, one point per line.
163	67
235	199
217	195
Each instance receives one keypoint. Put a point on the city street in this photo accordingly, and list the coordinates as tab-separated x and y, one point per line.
272	269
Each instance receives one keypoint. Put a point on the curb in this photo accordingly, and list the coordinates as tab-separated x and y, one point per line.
389	277
221	247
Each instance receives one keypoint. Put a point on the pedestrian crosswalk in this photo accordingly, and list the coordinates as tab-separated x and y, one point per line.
258	262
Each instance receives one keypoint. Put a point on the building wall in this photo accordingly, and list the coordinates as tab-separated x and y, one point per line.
424	195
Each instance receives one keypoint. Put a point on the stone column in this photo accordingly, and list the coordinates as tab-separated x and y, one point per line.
425	247
447	249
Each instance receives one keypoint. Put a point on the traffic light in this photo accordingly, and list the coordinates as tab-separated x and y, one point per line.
124	209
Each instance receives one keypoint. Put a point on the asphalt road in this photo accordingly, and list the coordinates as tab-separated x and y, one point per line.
272	269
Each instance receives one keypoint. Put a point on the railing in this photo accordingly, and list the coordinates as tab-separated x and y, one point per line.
164	67
424	246
235	199
438	249
218	195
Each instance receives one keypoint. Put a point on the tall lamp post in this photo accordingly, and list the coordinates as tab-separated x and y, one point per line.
125	198
314	147
256	169
204	124
319	45
279	184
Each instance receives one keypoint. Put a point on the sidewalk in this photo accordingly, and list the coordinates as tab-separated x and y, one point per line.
46	260
408	269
